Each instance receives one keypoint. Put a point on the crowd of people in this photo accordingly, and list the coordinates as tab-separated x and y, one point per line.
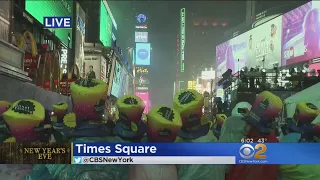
27	120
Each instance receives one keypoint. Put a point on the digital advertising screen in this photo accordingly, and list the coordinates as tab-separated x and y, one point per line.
124	83
232	54
41	9
141	78
80	38
300	35
116	82
142	54
141	37
5	19
145	98
105	26
264	44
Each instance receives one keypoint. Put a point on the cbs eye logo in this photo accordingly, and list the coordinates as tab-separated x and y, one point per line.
247	151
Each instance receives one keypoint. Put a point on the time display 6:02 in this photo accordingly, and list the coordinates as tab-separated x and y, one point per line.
247	140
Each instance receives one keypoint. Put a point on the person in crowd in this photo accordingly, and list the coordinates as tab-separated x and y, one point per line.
59	111
241	109
130	125
232	131
305	113
85	124
306	122
217	124
189	104
4	132
27	121
91	74
259	125
255	124
164	124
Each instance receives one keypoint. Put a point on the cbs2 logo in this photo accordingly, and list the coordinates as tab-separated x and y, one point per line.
247	151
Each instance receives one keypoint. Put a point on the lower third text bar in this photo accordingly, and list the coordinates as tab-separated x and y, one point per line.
154	160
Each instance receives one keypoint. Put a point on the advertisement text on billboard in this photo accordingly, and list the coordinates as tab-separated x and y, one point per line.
92	65
105	26
192	85
41	9
64	60
142	54
141	70
141	37
138	88
182	37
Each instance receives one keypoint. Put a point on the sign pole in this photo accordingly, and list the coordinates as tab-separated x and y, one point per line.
67	80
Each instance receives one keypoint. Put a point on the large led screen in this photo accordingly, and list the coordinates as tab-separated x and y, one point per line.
141	37
142	54
259	47
145	98
105	26
116	82
264	44
40	9
80	37
300	34
232	54
124	83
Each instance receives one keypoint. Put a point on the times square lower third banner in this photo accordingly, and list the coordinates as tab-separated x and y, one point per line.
247	152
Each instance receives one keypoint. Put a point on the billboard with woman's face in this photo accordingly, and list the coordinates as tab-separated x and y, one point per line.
301	34
232	54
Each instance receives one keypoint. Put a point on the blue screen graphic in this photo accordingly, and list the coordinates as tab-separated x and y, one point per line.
143	54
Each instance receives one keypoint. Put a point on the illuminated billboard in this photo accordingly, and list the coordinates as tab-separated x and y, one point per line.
232	54
124	86
208	75
41	9
105	35
141	37
260	46
264	44
182	37
79	39
116	83
301	35
192	85
141	70
145	98
142	54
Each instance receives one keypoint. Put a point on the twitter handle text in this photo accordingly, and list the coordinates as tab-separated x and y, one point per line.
103	160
